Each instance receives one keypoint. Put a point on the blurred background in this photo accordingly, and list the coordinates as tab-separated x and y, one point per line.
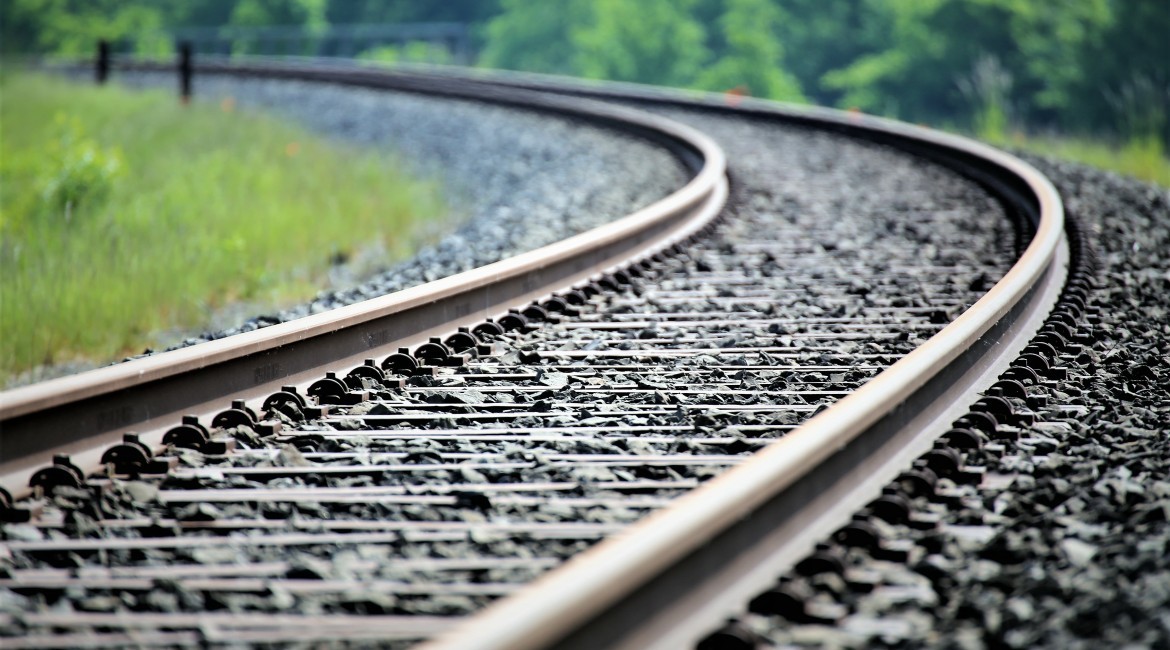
1002	69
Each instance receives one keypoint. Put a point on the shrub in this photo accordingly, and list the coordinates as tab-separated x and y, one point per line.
79	171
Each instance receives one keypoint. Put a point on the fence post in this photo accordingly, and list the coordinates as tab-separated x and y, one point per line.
102	63
184	71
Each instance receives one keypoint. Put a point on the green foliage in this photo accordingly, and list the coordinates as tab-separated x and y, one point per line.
653	41
876	81
1090	67
1141	105
411	11
821	36
73	27
753	56
211	206
80	173
1095	66
534	36
1144	159
310	13
988	89
650	41
413	52
1065	67
259	13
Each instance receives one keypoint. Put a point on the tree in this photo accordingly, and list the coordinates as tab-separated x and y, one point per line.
1086	65
534	36
821	36
73	27
1125	79
651	41
939	51
753	56
907	76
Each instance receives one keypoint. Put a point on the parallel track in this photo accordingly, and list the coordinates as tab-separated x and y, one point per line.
644	449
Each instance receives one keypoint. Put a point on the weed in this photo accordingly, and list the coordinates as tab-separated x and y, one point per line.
80	171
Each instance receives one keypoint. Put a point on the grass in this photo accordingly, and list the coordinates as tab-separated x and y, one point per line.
1143	159
123	213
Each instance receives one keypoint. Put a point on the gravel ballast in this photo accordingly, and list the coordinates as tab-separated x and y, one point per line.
832	284
1066	543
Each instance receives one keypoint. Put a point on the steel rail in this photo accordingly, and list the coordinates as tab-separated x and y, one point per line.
676	575
81	414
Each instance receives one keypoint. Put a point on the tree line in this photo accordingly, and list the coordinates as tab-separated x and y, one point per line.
1099	67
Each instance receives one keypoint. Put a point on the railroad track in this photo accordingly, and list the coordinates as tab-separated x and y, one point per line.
647	410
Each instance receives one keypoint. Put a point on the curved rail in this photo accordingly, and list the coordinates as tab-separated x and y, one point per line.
80	414
681	571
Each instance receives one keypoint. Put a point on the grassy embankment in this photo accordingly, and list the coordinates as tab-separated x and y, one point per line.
1143	158
123	214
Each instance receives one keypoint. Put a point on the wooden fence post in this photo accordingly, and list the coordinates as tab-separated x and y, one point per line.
185	71
102	63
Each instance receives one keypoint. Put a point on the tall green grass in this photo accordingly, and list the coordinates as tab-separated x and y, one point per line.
123	213
1141	158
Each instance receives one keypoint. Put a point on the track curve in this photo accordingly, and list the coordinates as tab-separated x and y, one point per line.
576	601
66	416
